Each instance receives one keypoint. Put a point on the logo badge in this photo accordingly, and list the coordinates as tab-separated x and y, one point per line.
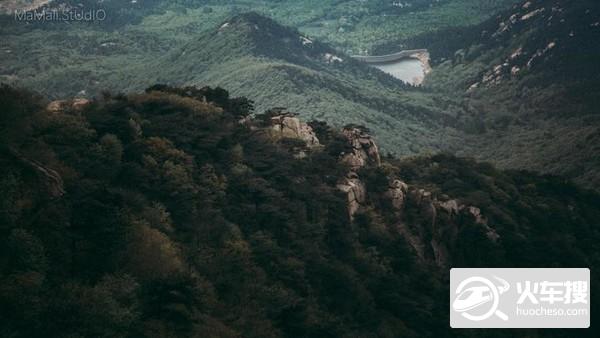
519	298
478	292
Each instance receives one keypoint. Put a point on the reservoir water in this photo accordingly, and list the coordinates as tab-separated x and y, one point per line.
408	70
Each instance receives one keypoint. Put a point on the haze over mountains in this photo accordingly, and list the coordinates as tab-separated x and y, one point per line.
488	95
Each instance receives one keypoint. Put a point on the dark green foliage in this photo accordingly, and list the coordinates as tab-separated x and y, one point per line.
178	220
529	80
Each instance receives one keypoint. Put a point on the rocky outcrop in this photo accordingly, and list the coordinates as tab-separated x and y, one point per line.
435	224
355	191
396	194
62	105
364	150
430	224
451	207
287	125
474	215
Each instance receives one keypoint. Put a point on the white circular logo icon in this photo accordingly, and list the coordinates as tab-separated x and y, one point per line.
476	294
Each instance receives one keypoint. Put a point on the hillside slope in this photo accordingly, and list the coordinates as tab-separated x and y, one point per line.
251	55
353	26
542	118
530	80
172	213
256	57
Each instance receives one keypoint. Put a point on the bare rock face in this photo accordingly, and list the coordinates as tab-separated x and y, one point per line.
61	105
434	236
355	190
474	214
424	200
288	125
450	206
396	193
364	150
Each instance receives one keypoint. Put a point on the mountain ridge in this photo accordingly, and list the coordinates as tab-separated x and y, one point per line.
484	122
528	79
255	56
176	212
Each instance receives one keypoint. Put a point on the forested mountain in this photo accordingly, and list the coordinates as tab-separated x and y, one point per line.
278	66
84	57
317	196
530	79
175	212
541	118
254	56
354	26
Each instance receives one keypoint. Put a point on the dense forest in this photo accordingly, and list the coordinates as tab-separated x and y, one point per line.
182	212
529	79
351	25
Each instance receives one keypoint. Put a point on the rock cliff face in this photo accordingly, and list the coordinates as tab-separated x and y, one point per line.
430	224
396	194
424	57
440	221
364	150
61	105
287	125
364	153
355	190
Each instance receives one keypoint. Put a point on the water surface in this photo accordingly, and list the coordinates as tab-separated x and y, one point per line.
407	70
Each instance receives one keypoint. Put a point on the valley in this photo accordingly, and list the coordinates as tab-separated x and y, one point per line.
293	168
463	106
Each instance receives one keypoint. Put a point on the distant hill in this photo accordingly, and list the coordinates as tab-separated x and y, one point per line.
542	118
10	6
530	79
256	57
354	26
253	56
